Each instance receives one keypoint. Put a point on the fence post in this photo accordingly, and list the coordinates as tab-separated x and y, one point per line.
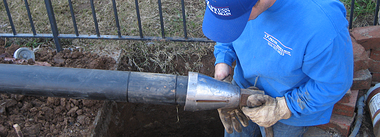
184	19
351	13
30	17
161	19
53	24
94	17
138	18
116	18
376	12
73	18
9	17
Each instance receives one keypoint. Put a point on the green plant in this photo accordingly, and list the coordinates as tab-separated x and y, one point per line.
363	11
33	44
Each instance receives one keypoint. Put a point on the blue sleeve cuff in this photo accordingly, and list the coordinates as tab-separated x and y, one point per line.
223	59
224	53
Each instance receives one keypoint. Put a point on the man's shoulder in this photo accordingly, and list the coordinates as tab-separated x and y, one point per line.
334	12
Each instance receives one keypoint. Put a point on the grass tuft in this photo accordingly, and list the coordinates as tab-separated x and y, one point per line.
364	11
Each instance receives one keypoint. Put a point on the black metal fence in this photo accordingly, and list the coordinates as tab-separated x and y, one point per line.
57	36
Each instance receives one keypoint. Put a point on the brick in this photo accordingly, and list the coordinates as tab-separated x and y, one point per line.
346	97
374	66
347	108
360	56
368	37
362	80
375	55
376	76
339	123
360	65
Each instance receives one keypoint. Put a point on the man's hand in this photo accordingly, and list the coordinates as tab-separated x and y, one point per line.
230	118
269	110
222	71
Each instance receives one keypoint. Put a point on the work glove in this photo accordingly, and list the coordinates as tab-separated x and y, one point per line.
269	110
230	118
233	118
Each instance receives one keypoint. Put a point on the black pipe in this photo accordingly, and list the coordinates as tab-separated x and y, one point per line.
121	86
154	88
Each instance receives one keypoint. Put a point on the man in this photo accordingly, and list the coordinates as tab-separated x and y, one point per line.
298	52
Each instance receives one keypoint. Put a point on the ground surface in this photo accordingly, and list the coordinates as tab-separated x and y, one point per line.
47	116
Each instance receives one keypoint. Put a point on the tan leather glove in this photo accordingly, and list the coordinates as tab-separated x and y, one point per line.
270	109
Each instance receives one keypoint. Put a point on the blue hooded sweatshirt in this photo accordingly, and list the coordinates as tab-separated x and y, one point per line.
300	50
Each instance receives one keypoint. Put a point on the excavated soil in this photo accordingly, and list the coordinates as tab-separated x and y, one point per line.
50	116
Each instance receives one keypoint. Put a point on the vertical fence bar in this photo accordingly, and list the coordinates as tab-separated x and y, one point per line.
116	18
73	18
138	18
184	19
161	19
351	13
205	5
376	12
30	17
95	19
53	24
9	17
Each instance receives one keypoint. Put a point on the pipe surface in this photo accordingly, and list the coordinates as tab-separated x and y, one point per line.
359	117
154	88
121	86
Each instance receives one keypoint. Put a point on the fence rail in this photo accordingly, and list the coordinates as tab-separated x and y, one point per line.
57	36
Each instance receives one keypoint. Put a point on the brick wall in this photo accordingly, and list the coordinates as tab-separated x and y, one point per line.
366	55
366	46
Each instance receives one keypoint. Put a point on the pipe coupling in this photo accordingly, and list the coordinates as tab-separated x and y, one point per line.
206	93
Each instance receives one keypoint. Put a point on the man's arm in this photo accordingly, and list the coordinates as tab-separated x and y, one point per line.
224	55
330	69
